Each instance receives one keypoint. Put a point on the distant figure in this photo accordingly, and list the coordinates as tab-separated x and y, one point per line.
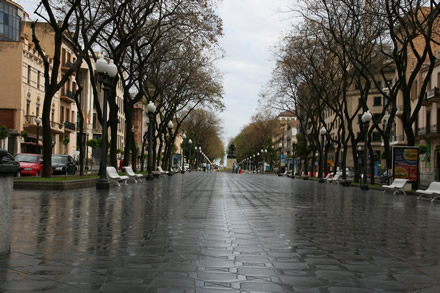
121	164
209	167
233	168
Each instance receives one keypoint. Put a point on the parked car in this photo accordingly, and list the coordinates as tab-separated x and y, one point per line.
63	165
7	159
30	164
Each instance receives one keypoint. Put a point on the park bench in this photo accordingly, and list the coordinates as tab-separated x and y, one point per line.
162	172
334	179
397	185
329	175
114	177
132	175
433	191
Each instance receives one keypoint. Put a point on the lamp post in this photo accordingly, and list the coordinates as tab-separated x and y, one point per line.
170	126
38	121
189	155
322	132
200	157
196	153
151	109
87	149
366	118
106	72
183	153
293	157
279	166
257	163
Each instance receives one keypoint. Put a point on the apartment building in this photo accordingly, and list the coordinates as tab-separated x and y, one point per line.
284	142
23	89
427	126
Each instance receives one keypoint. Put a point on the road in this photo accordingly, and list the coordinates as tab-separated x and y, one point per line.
222	232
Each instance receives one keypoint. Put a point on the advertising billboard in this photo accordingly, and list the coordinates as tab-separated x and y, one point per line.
406	163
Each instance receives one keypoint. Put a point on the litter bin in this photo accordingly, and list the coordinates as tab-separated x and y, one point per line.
7	172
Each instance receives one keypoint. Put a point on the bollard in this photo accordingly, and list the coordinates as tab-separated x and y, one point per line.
7	172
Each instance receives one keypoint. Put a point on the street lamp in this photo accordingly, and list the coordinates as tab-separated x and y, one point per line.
183	153
279	166
366	118
38	121
170	128
151	109
189	155
199	156
257	165
293	156
106	72
322	132
87	149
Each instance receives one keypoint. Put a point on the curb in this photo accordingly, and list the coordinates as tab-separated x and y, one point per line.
66	185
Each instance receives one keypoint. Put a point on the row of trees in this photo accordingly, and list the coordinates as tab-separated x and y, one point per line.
164	51
349	48
258	135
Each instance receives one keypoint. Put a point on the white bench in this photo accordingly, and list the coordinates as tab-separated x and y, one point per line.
433	191
132	175
162	172
397	185
114	177
334	179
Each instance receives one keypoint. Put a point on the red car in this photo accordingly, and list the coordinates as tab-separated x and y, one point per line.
30	164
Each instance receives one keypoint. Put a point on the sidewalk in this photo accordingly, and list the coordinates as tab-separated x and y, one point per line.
219	232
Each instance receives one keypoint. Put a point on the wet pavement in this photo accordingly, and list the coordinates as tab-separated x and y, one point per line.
222	232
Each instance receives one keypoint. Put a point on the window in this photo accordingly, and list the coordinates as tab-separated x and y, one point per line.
38	110
377	101
62	114
29	74
38	79
94	121
28	107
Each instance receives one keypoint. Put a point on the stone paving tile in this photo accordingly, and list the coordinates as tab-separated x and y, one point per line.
221	232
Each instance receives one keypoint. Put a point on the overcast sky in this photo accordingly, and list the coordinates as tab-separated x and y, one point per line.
251	29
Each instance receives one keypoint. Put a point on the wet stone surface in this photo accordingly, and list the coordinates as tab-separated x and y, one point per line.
221	232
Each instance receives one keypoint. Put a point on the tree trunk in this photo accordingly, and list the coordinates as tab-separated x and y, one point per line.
47	135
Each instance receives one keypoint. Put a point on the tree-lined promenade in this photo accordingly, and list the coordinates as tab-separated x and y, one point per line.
164	53
348	57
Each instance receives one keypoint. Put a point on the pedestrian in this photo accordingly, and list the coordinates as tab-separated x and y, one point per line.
121	164
233	168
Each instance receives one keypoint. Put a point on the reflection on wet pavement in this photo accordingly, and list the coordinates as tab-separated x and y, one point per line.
221	232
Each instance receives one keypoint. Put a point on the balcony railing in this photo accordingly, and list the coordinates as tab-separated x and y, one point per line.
68	96
431	96
66	66
69	126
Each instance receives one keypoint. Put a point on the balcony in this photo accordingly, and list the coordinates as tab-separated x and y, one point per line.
66	66
431	96
69	126
429	132
56	127
67	96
